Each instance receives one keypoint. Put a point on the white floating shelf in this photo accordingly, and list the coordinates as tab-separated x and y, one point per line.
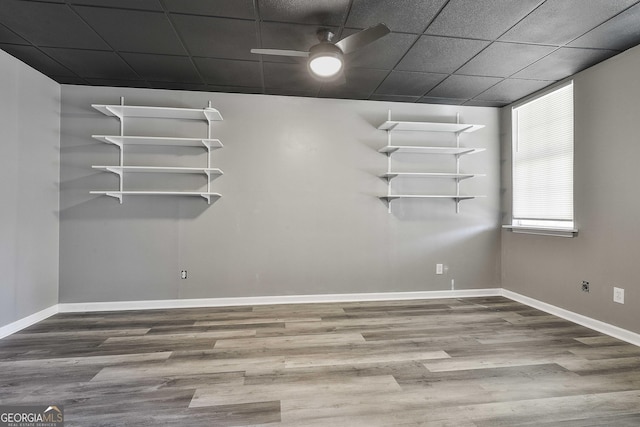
158	140
460	176
426	196
118	194
429	126
160	169
428	150
208	114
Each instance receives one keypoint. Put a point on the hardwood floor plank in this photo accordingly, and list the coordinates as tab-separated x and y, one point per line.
316	389
629	365
297	341
555	409
176	367
474	362
355	358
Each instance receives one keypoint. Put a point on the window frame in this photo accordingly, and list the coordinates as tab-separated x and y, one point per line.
545	227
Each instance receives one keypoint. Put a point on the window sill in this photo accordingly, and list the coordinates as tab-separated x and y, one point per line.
541	231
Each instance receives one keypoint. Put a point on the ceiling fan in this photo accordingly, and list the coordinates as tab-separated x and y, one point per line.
326	59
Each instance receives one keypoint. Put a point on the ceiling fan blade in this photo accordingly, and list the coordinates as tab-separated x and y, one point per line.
363	38
281	52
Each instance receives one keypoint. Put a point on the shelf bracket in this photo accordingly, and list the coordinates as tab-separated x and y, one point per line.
116	195
209	197
387	201
117	171
111	141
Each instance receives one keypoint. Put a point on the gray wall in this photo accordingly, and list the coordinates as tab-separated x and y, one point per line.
607	209
29	168
299	212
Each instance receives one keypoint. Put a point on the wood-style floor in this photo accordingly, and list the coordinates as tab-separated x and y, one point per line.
453	362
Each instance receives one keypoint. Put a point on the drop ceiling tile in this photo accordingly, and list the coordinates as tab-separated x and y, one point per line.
234	89
68	80
619	33
93	63
134	31
409	16
393	98
118	83
8	36
38	60
557	22
335	93
179	86
481	19
504	59
163	67
124	4
217	37
221	8
292	77
445	101
384	53
409	83
48	24
291	92
510	90
440	54
316	12
229	72
479	103
564	62
361	82
276	35
456	86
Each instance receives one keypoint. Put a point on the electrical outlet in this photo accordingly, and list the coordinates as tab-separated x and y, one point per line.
439	269
585	286
618	295
183	274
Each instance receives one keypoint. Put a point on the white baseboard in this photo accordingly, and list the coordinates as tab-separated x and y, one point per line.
605	328
265	300
596	325
25	322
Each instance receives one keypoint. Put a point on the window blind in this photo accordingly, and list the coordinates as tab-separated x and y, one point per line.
543	158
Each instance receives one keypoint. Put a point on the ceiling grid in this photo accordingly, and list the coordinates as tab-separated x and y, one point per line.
458	52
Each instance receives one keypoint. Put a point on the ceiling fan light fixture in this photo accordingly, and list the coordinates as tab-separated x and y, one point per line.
325	60
325	65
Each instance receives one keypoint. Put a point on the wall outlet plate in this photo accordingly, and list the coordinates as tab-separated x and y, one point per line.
585	286
183	274
439	268
618	295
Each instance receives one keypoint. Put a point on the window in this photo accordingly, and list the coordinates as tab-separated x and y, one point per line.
543	162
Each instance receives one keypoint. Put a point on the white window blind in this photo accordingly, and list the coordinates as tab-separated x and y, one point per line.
543	160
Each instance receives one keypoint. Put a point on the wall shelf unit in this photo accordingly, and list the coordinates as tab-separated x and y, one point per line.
456	129
208	196
122	112
458	176
159	169
459	151
426	196
429	126
158	140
